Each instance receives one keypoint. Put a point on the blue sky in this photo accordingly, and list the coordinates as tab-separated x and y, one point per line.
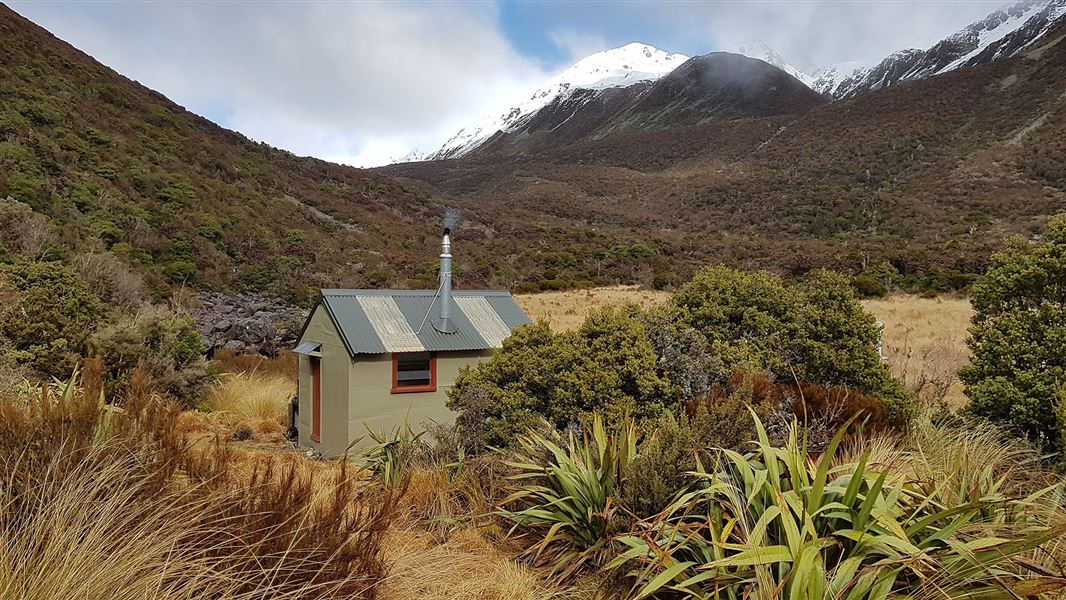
366	82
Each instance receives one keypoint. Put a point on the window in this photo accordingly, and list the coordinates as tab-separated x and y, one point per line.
316	398
414	372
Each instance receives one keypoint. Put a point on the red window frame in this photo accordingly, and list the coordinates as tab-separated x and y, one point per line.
316	398
432	387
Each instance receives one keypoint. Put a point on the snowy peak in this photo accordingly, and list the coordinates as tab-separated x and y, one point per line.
1002	33
760	50
618	67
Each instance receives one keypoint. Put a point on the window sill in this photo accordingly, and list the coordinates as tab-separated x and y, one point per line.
414	389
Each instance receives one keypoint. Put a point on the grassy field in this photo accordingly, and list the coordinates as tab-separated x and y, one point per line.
924	339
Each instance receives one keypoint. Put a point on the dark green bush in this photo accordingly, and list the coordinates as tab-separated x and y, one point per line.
46	314
815	331
868	287
1018	371
606	366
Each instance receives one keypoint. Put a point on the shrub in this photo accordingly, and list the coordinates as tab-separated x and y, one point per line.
23	231
868	287
684	355
111	280
180	271
164	343
605	366
814	332
46	315
660	469
1018	368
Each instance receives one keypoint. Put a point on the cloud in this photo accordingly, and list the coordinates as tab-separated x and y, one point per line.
355	80
577	45
811	34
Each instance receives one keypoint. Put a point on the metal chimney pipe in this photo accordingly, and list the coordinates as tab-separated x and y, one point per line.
445	325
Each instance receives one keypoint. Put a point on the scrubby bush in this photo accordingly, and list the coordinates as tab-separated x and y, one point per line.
164	343
1018	335
605	366
47	313
814	332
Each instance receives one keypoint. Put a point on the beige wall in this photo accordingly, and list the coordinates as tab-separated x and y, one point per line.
372	403
359	391
335	370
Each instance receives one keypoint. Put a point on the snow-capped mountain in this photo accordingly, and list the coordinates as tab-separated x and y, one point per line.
618	67
1002	33
758	49
827	79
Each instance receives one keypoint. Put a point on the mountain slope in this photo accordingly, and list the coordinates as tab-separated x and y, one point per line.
615	68
118	168
713	87
1002	33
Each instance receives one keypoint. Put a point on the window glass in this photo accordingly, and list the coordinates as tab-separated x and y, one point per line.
413	370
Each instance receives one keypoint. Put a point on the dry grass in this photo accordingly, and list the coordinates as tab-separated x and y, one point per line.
464	565
565	311
283	365
259	400
925	342
168	519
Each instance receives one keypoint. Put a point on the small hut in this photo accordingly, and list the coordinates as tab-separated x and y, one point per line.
373	358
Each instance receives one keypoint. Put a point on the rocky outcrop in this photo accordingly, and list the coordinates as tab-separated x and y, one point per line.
247	323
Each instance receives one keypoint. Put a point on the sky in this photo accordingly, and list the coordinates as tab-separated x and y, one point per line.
364	83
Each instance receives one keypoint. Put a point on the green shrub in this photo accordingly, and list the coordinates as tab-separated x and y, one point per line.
660	470
46	314
165	344
606	366
868	287
815	331
1017	338
180	271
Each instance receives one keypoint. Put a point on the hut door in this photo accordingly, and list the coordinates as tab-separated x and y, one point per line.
316	398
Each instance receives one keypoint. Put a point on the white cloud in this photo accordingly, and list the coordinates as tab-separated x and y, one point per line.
812	33
366	81
575	44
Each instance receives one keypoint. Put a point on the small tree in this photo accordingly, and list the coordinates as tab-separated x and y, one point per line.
607	366
1018	337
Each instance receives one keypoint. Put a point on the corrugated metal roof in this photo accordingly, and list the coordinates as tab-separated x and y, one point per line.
489	325
380	321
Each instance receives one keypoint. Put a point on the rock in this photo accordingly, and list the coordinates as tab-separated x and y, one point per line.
247	323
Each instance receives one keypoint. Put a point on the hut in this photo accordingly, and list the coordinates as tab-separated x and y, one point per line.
375	358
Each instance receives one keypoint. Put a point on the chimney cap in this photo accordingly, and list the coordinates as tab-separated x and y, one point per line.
447	231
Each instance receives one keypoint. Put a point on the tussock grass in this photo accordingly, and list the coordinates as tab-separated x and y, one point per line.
102	502
464	565
261	399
